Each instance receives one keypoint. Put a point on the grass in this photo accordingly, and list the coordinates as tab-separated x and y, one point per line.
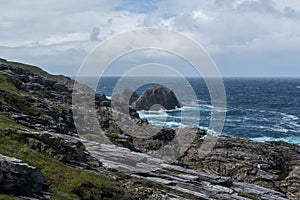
112	135
7	86
12	96
31	68
7	197
9	94
2	60
63	181
249	196
9	124
28	67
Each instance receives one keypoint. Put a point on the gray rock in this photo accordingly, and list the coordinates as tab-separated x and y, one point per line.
258	191
157	96
273	165
155	142
189	183
65	148
60	87
18	177
105	104
132	94
291	184
101	100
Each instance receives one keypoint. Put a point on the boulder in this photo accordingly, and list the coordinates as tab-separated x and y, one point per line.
157	96
18	177
65	148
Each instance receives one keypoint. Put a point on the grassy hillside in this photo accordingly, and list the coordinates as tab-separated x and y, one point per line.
63	181
12	96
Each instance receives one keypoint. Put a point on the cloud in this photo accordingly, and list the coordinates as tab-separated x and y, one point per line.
94	36
259	6
141	6
44	31
219	26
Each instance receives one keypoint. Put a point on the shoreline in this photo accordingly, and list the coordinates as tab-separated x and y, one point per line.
37	127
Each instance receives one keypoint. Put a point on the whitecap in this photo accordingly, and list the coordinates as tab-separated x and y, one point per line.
174	124
234	120
185	108
280	129
152	114
288	116
292	139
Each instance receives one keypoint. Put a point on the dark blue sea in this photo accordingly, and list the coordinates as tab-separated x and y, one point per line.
257	108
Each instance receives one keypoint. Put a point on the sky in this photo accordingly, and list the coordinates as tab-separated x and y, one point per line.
243	37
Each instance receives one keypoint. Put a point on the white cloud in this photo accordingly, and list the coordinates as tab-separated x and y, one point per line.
220	25
95	34
39	28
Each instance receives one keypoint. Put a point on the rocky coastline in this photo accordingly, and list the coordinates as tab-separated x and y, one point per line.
36	121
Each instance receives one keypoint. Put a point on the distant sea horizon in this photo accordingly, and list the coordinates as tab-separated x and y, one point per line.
258	108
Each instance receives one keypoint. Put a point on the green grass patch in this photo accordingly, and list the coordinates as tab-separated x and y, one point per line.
63	181
12	96
7	197
6	85
249	196
28	67
9	124
3	60
112	135
9	94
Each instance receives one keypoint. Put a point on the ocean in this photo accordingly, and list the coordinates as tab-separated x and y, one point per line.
260	109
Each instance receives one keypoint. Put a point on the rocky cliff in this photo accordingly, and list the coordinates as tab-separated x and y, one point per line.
37	126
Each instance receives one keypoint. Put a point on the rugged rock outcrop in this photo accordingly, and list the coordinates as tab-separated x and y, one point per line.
180	182
273	165
291	184
64	148
36	99
157	96
19	177
235	168
155	142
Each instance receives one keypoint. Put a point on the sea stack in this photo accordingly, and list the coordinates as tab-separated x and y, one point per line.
157	96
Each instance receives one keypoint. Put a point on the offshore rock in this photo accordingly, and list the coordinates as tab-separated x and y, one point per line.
157	96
